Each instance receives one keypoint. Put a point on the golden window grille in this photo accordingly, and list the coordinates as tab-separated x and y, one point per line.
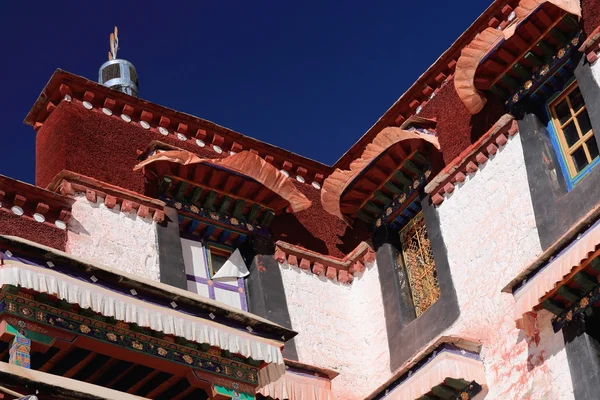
420	265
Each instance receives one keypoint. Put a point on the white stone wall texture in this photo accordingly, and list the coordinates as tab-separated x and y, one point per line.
490	234
110	237
341	327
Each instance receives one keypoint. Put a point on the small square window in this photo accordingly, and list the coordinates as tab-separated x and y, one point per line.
216	259
575	137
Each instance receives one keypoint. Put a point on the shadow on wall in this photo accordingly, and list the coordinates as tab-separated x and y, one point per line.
484	120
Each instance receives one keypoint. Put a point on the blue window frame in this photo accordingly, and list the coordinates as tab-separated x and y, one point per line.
572	134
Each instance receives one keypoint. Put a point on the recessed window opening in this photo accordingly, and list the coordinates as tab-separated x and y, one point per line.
419	264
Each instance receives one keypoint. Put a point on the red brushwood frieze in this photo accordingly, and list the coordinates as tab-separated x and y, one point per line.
69	183
340	269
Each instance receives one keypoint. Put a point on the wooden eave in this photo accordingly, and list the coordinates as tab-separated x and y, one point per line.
513	62
389	175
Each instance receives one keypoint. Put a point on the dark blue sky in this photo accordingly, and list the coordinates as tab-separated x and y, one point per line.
309	76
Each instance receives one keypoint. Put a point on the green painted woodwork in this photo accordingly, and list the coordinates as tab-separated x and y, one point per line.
31	335
585	281
180	193
552	306
267	218
533	59
568	293
572	23
420	158
409	165
509	82
457	384
558	36
372	207
427	397
392	188
379	195
545	48
595	264
231	393
365	217
444	392
225	203
164	185
498	92
521	71
400	177
209	201
196	195
239	208
253	214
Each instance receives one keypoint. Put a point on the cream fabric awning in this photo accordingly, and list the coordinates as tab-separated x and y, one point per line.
444	365
297	386
544	281
161	319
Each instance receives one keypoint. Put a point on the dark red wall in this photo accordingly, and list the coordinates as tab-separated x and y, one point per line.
317	230
27	228
591	15
457	129
96	145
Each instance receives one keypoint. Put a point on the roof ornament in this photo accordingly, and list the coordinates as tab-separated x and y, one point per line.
114	45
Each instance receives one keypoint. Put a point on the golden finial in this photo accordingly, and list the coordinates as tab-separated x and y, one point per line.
114	44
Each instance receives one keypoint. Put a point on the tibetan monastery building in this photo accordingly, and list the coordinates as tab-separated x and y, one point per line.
451	253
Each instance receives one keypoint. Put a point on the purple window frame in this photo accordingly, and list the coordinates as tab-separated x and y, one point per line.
216	284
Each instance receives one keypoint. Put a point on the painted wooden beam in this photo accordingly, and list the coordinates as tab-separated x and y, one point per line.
225	203
365	217
533	59
409	165
400	177
444	392
521	71
569	294
209	201
457	384
585	281
267	218
392	188
553	306
180	193
253	214
196	195
545	48
373	208
238	209
164	186
379	195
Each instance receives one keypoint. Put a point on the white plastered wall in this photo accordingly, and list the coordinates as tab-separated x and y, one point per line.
341	327
113	238
490	233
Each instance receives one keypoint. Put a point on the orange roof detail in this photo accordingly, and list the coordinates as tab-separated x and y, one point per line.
472	55
245	163
335	185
